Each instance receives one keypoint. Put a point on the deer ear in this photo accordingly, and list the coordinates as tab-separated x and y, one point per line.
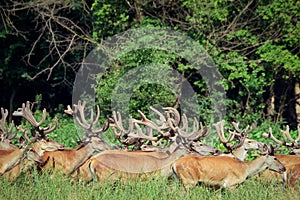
21	140
33	134
178	140
264	149
271	149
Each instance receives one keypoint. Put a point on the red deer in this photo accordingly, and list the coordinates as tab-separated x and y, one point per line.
285	159
244	145
7	133
67	161
221	171
115	164
42	143
9	158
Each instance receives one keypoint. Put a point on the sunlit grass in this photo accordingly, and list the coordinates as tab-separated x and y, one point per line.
44	186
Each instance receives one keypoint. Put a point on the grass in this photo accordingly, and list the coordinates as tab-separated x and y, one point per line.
62	188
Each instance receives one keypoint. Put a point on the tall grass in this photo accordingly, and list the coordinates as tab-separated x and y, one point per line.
43	186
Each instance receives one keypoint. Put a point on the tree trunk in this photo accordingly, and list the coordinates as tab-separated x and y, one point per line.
297	102
11	103
271	102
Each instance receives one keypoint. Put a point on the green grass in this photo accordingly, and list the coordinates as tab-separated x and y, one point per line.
62	188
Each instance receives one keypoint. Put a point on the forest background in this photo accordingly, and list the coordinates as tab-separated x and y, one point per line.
254	44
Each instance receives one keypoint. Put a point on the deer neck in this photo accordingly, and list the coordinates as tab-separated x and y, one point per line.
83	153
17	155
255	166
165	163
240	153
173	147
177	153
38	149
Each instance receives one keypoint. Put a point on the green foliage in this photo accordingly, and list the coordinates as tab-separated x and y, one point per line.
143	77
66	133
255	45
279	55
109	18
250	62
246	63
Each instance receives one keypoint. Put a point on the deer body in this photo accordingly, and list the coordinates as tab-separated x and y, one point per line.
221	170
128	165
40	146
67	161
288	161
11	157
84	173
293	174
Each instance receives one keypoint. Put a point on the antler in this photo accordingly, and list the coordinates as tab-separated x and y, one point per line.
238	134
153	126
69	110
26	113
292	145
89	126
243	132
165	128
172	115
135	134
269	149
195	134
26	143
220	130
190	139
271	136
6	132
294	142
122	135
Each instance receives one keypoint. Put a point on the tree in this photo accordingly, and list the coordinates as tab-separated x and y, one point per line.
254	44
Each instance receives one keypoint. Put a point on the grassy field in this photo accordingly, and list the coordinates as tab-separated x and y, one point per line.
43	187
61	188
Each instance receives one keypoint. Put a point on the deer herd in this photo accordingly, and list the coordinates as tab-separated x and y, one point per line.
165	147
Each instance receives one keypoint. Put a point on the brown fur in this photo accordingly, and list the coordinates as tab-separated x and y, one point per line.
293	174
40	146
220	171
67	161
83	173
9	158
114	165
286	160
